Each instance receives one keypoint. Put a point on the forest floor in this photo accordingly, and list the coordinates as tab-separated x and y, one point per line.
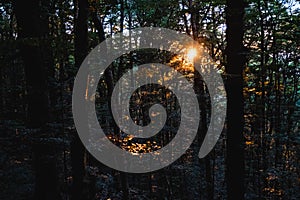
16	174
184	179
181	180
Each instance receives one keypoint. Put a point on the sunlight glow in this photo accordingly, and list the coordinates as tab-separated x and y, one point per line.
191	54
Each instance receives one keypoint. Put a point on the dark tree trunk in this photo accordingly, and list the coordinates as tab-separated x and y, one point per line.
2	99
234	87
81	31
81	50
200	90
31	34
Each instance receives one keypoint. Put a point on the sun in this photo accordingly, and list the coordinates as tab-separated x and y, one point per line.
191	54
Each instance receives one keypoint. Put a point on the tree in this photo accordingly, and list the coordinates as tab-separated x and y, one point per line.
81	50
234	87
31	31
42	45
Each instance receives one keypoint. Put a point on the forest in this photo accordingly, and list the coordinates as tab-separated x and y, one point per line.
254	46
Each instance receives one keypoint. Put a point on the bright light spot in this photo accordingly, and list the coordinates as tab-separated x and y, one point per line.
191	54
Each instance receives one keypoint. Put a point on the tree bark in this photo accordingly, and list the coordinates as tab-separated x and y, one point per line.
32	29
234	87
81	50
30	34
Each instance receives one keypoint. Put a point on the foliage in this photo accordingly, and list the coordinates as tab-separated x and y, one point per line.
271	92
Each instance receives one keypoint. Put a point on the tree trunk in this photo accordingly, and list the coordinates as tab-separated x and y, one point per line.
234	87
31	33
81	50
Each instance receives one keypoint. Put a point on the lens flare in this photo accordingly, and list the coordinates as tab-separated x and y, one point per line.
191	54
